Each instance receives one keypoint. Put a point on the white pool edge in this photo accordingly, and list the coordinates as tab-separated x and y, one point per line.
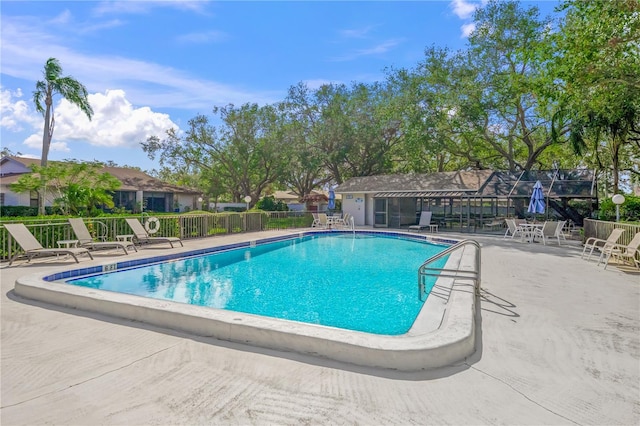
431	342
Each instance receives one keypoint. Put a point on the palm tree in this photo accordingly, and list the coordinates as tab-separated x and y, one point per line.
67	87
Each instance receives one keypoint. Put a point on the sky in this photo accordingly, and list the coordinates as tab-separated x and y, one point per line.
153	65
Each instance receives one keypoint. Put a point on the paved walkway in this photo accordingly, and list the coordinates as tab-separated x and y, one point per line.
559	343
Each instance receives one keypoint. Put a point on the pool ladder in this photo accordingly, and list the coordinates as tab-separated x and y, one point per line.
427	271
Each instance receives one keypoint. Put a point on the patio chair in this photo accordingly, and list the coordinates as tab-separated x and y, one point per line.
548	230
424	222
513	229
323	220
346	221
142	236
624	253
594	243
32	247
86	240
316	220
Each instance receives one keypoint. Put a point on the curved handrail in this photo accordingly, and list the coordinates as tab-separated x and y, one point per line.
425	270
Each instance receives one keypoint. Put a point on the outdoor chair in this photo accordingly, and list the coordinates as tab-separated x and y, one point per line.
323	220
594	243
346	221
549	230
32	247
86	240
623	253
513	229
425	222
316	220
142	236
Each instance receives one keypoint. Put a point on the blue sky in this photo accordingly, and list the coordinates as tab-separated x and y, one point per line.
153	65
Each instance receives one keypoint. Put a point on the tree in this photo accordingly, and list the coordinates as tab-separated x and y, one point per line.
595	65
244	153
55	84
301	135
79	186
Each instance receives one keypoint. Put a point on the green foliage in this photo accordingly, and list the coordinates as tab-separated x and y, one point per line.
79	188
629	210
269	204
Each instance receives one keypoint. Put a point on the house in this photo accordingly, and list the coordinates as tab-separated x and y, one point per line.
462	198
138	189
316	201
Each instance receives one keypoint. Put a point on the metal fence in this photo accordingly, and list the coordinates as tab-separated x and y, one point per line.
601	229
186	226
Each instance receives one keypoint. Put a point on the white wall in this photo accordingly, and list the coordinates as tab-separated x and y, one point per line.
184	200
354	204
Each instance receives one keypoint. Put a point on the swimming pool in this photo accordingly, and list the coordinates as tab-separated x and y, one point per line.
357	282
442	334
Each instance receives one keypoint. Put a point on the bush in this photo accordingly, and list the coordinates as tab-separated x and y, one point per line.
269	204
629	210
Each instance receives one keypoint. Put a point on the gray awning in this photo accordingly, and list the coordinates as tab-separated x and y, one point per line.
423	194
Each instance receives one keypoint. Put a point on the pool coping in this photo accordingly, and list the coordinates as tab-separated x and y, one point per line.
443	334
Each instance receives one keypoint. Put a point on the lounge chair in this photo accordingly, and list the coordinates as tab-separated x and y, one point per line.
142	236
594	243
424	222
86	240
32	247
624	253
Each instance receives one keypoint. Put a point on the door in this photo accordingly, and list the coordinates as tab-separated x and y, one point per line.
380	212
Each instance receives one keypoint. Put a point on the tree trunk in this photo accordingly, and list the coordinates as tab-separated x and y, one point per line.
46	142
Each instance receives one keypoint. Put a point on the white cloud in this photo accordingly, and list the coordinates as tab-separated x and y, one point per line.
26	47
378	49
467	29
115	123
355	33
140	7
203	37
463	9
15	112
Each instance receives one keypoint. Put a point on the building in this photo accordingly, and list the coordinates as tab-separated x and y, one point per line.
138	189
463	199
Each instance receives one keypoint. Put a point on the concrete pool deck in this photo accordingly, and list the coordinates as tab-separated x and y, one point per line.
558	342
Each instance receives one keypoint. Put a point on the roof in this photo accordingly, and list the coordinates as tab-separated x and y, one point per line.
482	183
460	181
131	179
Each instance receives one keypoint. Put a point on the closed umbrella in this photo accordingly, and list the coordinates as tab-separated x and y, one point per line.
536	204
332	200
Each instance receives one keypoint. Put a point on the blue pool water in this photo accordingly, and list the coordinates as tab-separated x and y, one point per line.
364	283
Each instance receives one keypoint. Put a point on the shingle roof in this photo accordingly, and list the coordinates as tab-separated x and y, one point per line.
131	179
466	181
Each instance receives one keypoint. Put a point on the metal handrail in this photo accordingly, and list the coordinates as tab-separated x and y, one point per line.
425	270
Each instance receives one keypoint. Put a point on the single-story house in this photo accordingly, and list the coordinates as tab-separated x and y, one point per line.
462	199
138	189
316	201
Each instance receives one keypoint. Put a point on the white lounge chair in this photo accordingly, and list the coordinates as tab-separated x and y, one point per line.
316	220
594	243
142	236
32	247
624	253
424	222
86	240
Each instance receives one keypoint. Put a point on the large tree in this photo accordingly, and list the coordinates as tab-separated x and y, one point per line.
55	83
595	65
244	153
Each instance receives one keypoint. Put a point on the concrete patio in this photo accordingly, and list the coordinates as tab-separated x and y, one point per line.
558	343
